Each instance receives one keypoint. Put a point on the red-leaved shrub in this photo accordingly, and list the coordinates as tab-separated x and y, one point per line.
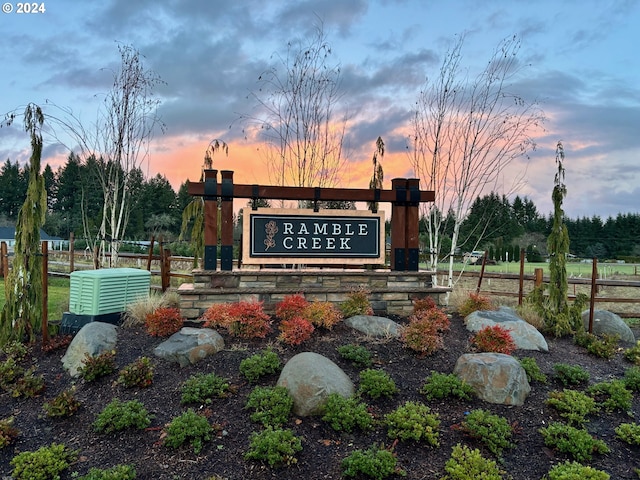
241	319
494	338
475	302
291	306
163	322
422	336
435	316
295	330
217	315
426	303
323	314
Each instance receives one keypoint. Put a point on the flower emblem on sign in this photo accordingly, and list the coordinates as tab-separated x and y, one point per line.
270	229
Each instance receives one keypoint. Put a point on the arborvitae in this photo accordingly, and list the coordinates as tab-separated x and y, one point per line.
558	241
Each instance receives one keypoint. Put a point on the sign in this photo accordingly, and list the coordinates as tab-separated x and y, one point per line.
305	236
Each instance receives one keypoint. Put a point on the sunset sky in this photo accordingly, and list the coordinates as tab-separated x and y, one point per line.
582	57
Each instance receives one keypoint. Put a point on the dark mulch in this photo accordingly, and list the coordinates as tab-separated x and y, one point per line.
323	448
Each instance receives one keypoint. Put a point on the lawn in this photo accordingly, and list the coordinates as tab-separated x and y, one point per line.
58	297
577	269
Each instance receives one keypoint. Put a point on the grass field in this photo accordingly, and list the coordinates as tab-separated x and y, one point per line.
58	297
577	269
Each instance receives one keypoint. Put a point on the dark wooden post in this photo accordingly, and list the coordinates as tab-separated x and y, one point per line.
538	272
521	286
484	263
165	268
72	253
594	292
4	260
226	235
412	225
210	219
399	225
45	292
150	255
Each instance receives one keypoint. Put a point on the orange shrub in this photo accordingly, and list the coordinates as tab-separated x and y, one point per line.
474	303
422	336
241	319
295	330
437	317
291	306
323	314
495	339
217	315
163	322
426	303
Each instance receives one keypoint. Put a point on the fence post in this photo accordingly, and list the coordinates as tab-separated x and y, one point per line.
72	253
45	292
484	262
538	272
521	285
210	219
594	291
165	269
150	256
226	235
4	259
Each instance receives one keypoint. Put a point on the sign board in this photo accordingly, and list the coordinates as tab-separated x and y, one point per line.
273	235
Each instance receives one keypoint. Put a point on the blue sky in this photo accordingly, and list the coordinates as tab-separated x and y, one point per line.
581	65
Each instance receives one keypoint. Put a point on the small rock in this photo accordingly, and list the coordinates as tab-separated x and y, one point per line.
374	326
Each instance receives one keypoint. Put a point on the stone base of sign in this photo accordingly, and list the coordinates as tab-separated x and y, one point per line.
392	292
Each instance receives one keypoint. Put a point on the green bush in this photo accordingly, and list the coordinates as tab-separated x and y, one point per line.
271	405
119	415
575	471
375	462
467	464
345	414
94	367
440	385
46	463
629	432
492	430
413	421
260	364
357	303
612	395
577	443
570	374
633	354
603	346
532	370
28	385
8	433
138	373
10	371
356	354
376	383
188	427
15	350
119	472
632	379
572	405
274	446
63	405
203	387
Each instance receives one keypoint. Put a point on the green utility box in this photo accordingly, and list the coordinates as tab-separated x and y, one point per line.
103	295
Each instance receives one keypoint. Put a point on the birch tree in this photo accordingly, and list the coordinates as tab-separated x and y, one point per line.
464	133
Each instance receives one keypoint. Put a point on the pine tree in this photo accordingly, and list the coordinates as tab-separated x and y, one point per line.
21	315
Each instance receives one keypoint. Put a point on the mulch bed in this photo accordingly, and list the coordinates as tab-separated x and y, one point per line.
323	448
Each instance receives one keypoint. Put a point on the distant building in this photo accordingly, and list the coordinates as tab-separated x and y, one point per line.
8	234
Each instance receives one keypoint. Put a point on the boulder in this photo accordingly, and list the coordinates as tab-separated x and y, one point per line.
93	339
605	322
374	326
495	377
310	378
190	345
525	336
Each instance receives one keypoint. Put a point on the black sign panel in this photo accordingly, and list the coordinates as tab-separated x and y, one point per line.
314	236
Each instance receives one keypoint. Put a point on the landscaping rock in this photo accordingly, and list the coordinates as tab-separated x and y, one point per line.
525	336
190	345
605	322
310	378
374	326
495	377
93	339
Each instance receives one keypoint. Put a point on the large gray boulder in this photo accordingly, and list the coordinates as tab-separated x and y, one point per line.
374	326
495	377
525	336
605	322
190	345
310	378
93	339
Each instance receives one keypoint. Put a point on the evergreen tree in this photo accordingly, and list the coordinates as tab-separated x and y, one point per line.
22	311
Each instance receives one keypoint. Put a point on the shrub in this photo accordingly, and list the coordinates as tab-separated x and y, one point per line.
136	312
274	446
633	354
357	303
94	367
189	427
10	371
632	378
117	416
570	374
492	430
294	331
413	421
323	314
475	302
260	364
63	405
119	472
494	338
577	443
604	346
575	471
629	432
15	350
8	433
139	373
356	354
425	303
531	368
43	464
203	387
440	385
291	306
240	319
218	315
28	385
163	322
376	383
375	462
530	314
467	464
345	414
422	336
612	395
271	405
572	405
